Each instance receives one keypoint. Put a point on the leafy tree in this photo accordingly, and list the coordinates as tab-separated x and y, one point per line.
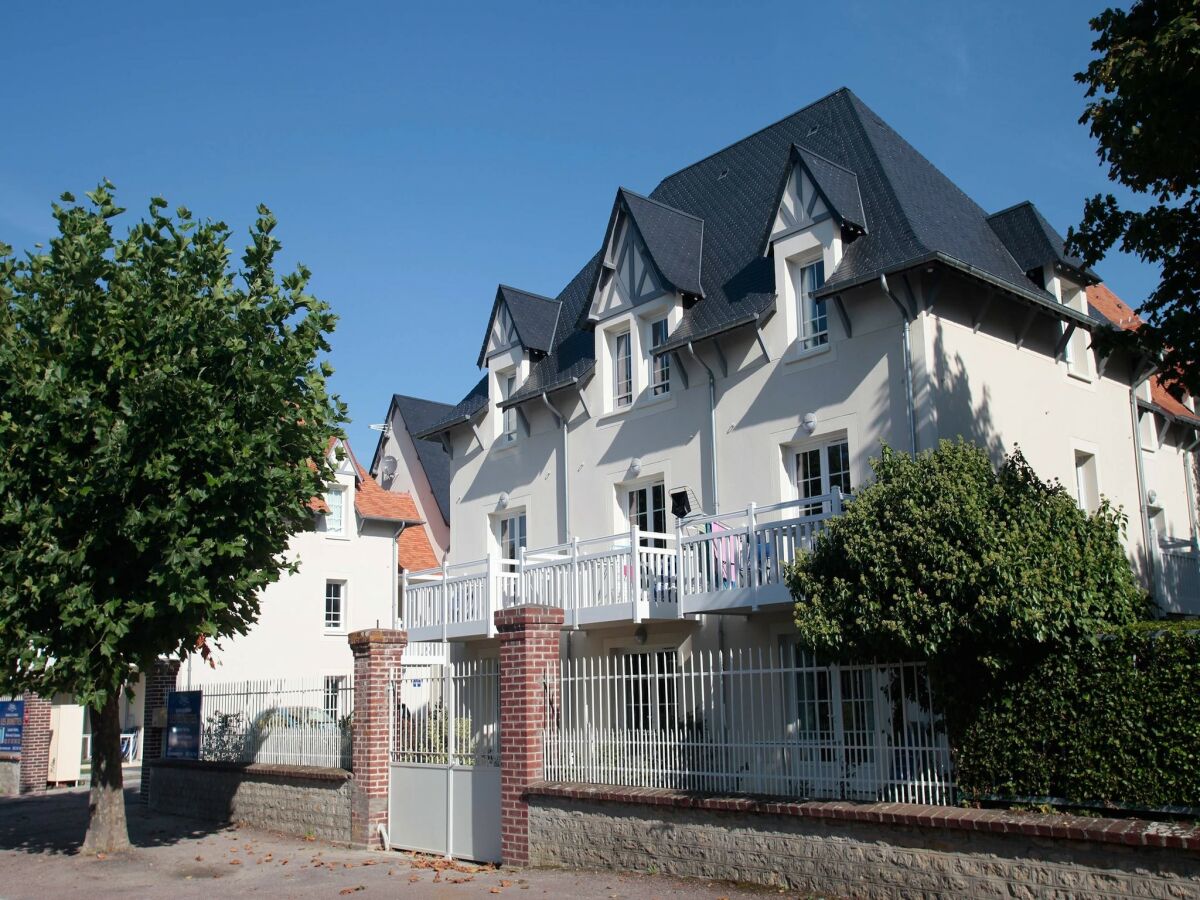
163	429
1144	90
947	559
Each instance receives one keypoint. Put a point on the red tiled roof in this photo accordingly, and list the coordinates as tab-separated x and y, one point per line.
373	502
1122	315
414	550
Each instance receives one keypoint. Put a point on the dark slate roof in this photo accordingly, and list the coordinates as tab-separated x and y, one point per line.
533	315
1032	240
418	415
461	412
915	214
838	184
673	238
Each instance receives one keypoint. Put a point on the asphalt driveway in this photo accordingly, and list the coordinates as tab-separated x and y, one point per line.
176	857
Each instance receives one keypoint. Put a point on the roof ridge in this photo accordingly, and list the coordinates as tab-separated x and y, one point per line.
508	287
824	159
399	396
1009	209
666	206
885	177
732	144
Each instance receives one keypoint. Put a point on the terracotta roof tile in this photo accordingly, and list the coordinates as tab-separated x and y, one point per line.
373	502
414	550
1122	315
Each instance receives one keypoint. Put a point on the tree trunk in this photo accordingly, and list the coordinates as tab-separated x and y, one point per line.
107	832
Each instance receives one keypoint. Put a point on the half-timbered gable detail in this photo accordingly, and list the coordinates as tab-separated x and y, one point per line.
814	190
519	319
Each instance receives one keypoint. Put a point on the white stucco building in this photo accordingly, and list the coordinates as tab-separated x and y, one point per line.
732	356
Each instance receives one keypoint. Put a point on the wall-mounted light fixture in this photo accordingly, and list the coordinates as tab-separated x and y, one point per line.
635	466
502	500
810	422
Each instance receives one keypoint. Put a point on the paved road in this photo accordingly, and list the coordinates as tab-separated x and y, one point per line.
177	858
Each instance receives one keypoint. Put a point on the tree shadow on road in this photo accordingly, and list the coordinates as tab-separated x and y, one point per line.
56	822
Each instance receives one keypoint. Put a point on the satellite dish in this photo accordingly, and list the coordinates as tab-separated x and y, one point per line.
387	471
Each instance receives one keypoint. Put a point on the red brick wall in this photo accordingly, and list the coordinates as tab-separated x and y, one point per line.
529	666
160	681
377	656
35	744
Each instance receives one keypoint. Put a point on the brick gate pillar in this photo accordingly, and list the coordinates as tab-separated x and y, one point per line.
377	656
529	666
159	682
35	744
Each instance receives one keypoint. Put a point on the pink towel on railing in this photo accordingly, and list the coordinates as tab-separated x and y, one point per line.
725	553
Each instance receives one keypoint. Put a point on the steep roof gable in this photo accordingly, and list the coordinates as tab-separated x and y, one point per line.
418	415
1032	240
674	239
531	318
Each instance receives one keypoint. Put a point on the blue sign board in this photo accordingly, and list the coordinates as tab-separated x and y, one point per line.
12	723
183	724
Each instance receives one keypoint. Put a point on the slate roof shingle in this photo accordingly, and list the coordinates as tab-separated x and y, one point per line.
534	317
673	238
1032	240
418	415
838	184
914	212
461	412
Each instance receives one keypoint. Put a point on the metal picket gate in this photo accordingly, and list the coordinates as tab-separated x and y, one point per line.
444	778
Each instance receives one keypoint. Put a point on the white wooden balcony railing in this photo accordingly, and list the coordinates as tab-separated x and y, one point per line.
732	562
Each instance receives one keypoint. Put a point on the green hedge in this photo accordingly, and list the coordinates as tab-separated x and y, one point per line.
1117	722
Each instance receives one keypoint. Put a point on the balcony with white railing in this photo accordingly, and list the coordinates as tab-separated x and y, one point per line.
727	563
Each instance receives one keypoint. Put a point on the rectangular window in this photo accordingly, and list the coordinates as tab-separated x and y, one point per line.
647	511
819	470
1076	352
1148	426
512	536
622	370
1087	483
334	686
660	365
335	605
811	313
508	386
335	517
648	683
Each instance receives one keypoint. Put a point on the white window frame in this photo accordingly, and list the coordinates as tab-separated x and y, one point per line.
337	626
1087	503
660	364
342	532
629	491
655	704
334	687
822	448
502	524
508	386
807	319
622	399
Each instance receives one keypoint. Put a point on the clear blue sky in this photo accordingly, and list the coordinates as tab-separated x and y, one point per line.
417	154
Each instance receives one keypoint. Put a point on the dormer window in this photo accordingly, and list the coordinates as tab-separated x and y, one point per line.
811	312
335	515
660	364
508	387
622	370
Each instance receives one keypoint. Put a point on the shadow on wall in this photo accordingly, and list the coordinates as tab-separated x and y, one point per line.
57	821
958	412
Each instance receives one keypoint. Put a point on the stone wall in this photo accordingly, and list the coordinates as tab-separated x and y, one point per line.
861	850
298	800
10	774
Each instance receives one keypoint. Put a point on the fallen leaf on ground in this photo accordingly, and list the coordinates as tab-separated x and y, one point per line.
235	862
353	890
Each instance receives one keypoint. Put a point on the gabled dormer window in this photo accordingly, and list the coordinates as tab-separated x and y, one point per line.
335	514
622	370
660	364
508	387
811	313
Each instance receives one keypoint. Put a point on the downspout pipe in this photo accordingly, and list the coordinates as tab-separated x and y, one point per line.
712	423
562	423
395	573
907	315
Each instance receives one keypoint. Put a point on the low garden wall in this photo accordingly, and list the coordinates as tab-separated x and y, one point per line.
863	850
300	800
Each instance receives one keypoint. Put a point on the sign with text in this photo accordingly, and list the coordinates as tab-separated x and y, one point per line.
12	725
183	724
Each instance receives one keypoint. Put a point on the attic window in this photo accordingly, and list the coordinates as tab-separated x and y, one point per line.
813	130
724	173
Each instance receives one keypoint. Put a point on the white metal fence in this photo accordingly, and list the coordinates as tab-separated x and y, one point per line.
766	722
447	714
1179	579
300	722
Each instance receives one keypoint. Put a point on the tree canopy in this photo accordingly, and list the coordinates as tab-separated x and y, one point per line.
164	421
945	557
1144	90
